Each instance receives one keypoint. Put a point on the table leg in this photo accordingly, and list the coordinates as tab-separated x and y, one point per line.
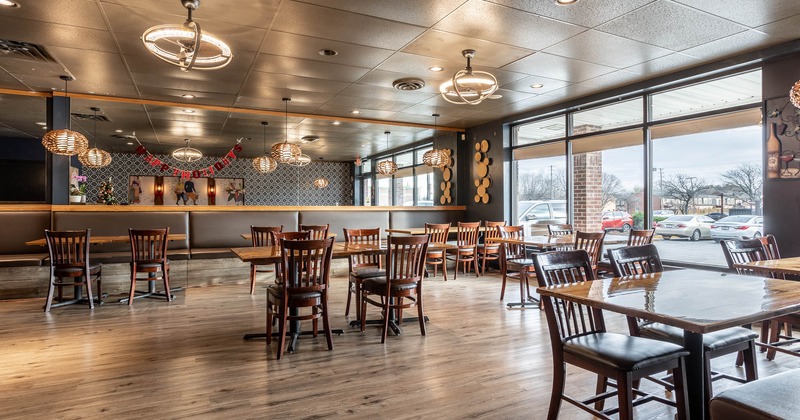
525	300
695	375
294	332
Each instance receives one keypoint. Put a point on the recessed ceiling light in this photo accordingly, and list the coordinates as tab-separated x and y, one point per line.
436	68
117	131
565	2
44	128
8	3
336	123
188	96
188	111
327	52
355	112
130	143
41	123
537	86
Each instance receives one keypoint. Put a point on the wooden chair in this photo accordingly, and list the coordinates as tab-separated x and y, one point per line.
514	262
489	250
261	236
70	266
289	236
644	259
149	256
438	233
578	337
306	271
467	251
592	242
402	287
559	230
746	250
635	238
317	231
362	266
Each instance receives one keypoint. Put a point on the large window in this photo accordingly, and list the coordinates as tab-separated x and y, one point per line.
541	187
411	185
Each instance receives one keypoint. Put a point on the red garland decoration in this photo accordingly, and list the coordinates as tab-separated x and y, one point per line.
195	173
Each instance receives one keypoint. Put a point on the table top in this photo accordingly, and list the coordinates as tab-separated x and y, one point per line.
96	240
694	300
272	254
781	266
421	231
547	241
249	236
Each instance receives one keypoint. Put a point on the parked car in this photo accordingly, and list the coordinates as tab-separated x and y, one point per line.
536	215
663	213
717	215
617	220
694	227
737	227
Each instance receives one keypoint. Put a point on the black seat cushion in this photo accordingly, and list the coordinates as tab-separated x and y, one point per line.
276	291
775	397
367	272
622	352
711	341
519	264
377	285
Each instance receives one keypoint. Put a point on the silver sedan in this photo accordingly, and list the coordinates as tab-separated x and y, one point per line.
694	227
737	227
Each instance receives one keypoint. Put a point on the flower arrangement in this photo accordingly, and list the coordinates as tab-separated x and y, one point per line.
79	186
105	194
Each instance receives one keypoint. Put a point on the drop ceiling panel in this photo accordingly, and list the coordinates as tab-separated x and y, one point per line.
743	41
492	22
306	19
671	25
416	12
246	13
559	68
590	14
370	103
308	68
524	85
752	13
259	84
82	13
606	49
388	93
53	34
448	46
307	47
784	29
666	64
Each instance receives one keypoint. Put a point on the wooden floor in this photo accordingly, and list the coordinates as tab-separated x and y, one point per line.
187	359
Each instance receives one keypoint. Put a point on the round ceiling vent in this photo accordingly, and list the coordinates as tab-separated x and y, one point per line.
309	139
409	83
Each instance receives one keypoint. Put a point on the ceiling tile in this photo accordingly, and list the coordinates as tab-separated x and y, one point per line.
751	13
663	65
671	25
524	85
416	12
307	68
81	13
734	44
307	47
448	46
259	82
386	79
606	49
388	93
479	19
559	68
256	14
370	103
52	34
589	13
784	29
306	19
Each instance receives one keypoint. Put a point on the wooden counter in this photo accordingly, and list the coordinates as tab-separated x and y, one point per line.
105	208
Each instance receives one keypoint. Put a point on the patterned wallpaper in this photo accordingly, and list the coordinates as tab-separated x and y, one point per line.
286	186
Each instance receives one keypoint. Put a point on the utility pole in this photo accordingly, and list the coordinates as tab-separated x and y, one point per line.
660	179
551	182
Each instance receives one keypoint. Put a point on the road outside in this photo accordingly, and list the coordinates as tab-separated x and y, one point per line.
705	252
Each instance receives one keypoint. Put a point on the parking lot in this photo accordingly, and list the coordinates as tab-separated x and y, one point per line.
704	252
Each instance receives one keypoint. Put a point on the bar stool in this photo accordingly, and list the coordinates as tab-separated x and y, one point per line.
149	255
69	259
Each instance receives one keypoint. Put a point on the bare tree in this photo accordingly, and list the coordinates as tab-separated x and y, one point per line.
745	182
684	188
612	188
542	185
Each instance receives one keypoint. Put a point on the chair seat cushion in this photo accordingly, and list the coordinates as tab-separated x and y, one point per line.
711	341
76	271
622	352
377	285
775	397
276	291
518	264
367	272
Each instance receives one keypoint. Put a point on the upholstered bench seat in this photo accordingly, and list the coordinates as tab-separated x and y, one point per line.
775	397
22	260
212	253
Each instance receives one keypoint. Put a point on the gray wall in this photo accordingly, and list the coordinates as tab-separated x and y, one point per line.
493	132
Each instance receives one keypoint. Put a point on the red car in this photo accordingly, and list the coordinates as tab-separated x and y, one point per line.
617	220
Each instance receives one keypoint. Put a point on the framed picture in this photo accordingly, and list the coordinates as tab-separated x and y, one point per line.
230	191
141	190
183	191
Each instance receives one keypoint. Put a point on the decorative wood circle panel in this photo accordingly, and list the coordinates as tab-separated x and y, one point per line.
447	174
482	162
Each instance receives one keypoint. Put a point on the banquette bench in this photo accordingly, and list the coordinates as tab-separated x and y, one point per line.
210	233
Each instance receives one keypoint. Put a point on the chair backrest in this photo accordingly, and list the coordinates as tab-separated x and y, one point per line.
317	231
306	264
640	237
566	319
468	233
633	260
510	251
592	242
290	236
438	232
262	235
491	232
770	247
559	230
742	251
405	259
68	248
363	236
149	245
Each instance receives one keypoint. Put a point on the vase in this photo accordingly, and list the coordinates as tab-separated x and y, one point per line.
75	199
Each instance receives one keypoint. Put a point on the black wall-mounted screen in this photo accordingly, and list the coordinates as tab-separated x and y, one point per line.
23	181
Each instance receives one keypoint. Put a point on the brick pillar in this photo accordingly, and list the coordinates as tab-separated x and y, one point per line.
588	191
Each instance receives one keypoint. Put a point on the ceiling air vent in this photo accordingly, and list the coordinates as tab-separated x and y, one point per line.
309	139
25	50
90	117
409	83
124	136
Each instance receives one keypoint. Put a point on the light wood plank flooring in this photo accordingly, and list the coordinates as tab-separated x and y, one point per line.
187	359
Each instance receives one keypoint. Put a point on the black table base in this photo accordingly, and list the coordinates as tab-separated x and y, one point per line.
151	292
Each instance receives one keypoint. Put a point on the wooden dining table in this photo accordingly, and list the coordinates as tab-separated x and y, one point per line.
696	301
421	230
249	236
790	266
107	239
